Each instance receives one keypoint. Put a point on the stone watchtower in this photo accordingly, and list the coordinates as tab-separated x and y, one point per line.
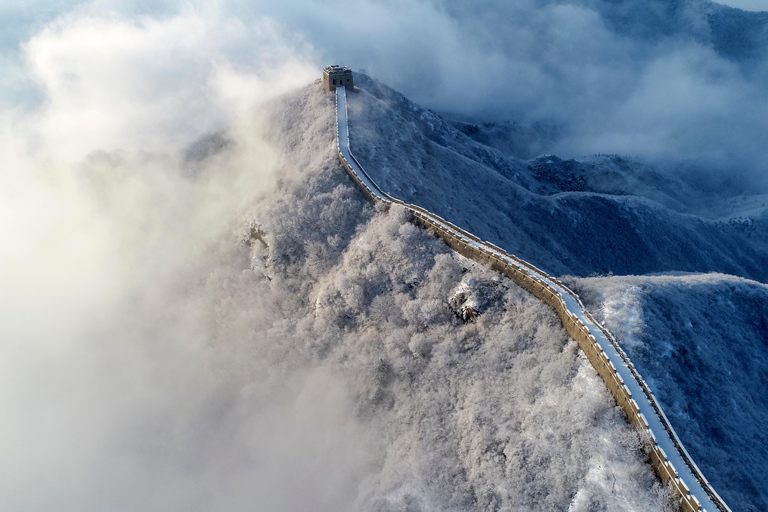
336	76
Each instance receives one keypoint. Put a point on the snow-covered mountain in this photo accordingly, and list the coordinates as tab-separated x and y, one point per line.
338	369
277	340
603	214
701	342
699	339
500	413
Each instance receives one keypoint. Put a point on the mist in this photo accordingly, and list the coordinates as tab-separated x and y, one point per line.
678	82
115	393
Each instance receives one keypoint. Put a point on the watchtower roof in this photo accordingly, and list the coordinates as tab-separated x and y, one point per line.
335	68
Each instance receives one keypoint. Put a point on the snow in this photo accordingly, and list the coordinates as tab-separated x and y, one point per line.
639	219
235	325
662	432
700	340
612	215
497	414
343	144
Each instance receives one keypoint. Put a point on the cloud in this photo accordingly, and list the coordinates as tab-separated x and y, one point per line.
629	77
111	83
113	386
154	84
686	104
125	381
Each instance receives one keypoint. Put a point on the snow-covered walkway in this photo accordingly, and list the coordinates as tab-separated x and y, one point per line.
668	455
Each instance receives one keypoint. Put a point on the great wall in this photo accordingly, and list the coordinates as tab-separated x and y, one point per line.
667	454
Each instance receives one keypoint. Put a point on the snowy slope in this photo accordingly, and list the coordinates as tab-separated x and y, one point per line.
664	222
496	414
702	343
598	215
634	396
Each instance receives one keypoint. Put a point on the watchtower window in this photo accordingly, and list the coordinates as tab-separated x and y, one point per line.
334	81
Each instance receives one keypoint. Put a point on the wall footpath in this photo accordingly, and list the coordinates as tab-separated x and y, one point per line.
550	290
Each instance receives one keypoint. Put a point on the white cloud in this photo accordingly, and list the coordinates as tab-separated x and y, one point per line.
154	84
580	65
584	66
102	223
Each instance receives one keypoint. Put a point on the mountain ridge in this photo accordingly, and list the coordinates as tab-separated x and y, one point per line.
576	233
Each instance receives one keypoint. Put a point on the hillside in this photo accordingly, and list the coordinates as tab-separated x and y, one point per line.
598	215
201	312
500	413
701	342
